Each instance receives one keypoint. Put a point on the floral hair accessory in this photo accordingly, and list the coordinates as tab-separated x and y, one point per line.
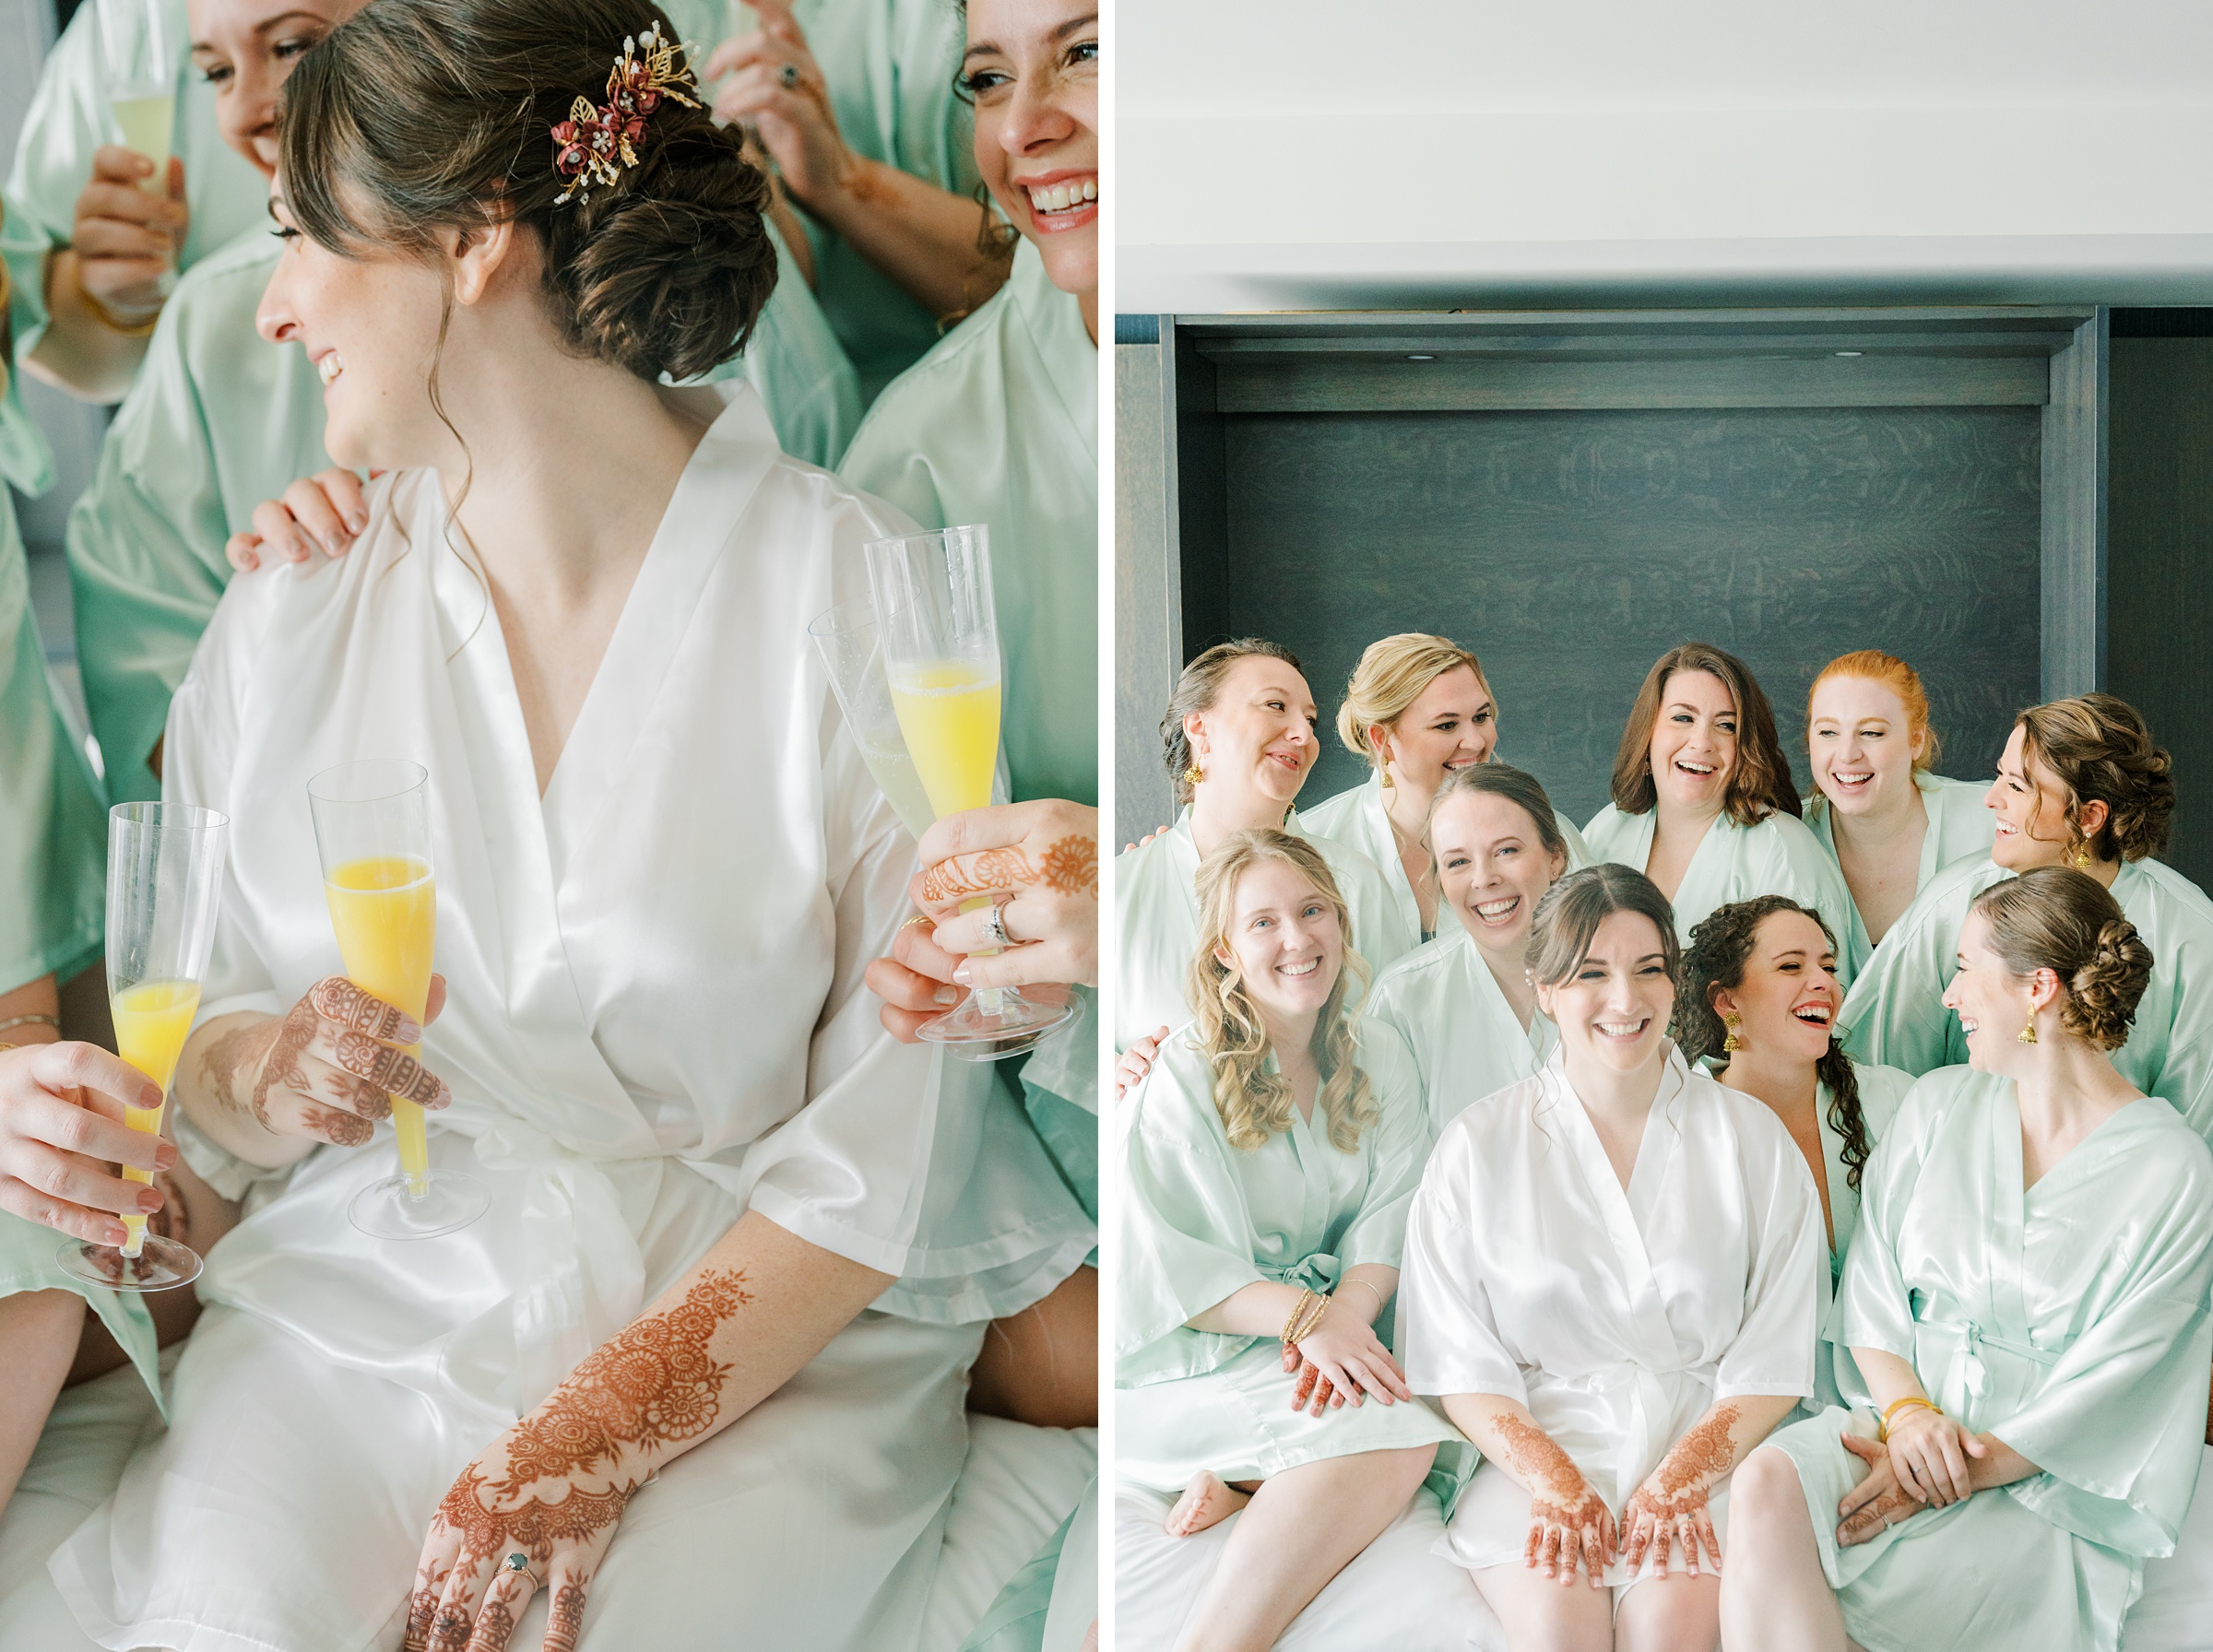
593	146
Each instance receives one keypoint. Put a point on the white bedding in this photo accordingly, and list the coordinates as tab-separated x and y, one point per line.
1017	1487
1396	1595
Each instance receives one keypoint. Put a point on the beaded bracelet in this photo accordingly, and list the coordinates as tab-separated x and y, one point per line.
1897	1405
13	1021
1305	1316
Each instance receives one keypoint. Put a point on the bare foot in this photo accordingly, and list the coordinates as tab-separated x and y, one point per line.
1205	1502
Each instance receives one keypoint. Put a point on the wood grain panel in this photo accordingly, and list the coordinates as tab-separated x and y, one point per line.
1569	550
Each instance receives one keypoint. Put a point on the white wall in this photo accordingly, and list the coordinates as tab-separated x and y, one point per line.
1293	154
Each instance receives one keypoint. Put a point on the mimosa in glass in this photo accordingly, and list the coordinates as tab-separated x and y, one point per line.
165	873
372	832
940	640
848	640
141	54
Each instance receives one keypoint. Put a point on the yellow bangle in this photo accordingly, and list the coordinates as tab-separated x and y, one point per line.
1897	1405
1305	1316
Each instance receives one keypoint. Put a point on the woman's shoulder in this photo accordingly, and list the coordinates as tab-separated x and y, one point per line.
1883	1090
1749	1118
1411	973
2179	897
1174	1102
1487	1131
964	367
1334	814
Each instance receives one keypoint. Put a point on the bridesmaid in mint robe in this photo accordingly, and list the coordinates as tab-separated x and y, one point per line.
2028	1290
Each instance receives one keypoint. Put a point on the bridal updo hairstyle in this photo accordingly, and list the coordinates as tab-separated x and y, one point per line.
2059	919
415	117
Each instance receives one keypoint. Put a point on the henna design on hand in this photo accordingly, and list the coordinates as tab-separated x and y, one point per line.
1674	1498
449	1631
281	1064
1071	866
495	1623
335	998
423	1606
564	1619
984	870
238	1051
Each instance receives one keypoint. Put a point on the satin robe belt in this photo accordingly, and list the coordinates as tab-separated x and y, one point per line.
1979	1361
1318	1272
1592	1405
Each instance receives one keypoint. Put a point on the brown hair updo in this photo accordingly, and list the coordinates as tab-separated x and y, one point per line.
2101	749
416	117
2059	919
1721	945
1197	689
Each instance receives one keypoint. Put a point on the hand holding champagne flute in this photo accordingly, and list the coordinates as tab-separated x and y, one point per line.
939	643
165	874
373	834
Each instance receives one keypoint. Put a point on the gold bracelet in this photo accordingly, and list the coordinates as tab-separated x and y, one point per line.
1291	1324
1308	1315
1897	1405
1371	1291
109	319
31	1020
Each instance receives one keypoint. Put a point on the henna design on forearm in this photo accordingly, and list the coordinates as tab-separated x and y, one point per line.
1071	866
1537	1457
1699	1457
564	1619
650	1386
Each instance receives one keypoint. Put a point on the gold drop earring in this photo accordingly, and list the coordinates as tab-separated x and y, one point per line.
2027	1033
1732	1044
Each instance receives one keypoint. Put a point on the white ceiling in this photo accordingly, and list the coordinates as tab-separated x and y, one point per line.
1291	154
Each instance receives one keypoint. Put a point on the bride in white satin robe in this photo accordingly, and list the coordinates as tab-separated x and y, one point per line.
656	1023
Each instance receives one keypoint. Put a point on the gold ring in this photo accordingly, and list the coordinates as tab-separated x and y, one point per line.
920	917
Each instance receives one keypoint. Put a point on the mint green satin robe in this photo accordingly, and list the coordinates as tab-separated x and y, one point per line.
1200	1220
890	64
1961	828
1895	1012
70	116
53	873
1356	817
1465	1041
1778	857
2070	1320
217	421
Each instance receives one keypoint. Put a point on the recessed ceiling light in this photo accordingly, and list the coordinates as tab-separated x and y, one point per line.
1421	358
1851	352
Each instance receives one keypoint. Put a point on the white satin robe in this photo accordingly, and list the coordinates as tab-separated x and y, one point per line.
1156	924
1961	828
2069	1319
1617	1316
1466	1042
1778	857
1895	1013
656	1021
1357	819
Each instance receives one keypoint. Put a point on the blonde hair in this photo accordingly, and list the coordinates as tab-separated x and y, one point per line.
1872	665
1254	1102
1391	676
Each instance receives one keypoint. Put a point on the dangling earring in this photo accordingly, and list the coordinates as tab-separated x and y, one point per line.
1388	783
2027	1033
2082	857
1194	774
1732	1044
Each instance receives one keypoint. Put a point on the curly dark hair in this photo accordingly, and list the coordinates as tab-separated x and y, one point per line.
1721	945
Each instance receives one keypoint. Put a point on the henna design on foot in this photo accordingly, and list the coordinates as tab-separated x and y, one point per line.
1071	866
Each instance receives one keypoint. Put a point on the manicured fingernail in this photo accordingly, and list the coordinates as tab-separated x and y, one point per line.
166	1158
115	1234
965	973
358	521
149	1201
948	996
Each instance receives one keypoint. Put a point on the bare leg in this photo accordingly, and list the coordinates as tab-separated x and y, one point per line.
1542	1614
39	1331
1042	1366
1675	1614
1207	1501
1774	1595
1300	1529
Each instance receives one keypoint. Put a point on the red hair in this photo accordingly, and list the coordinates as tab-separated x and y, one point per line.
1873	665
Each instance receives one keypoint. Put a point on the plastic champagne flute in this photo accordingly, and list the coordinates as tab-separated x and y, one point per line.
373	832
850	644
940	645
141	52
165	876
